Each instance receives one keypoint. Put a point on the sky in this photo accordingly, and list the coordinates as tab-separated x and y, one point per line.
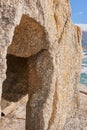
79	11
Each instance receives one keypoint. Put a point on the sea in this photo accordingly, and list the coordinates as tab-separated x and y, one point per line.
83	76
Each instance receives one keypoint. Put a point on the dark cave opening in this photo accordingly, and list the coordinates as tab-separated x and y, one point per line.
16	84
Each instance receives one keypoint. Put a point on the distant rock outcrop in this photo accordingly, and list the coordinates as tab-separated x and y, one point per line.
84	35
84	39
43	52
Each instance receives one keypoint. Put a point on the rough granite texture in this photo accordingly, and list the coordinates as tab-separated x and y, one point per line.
41	35
16	119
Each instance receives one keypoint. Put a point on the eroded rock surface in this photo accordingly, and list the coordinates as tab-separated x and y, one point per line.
42	33
16	119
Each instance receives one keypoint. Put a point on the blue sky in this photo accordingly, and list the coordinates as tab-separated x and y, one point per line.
79	11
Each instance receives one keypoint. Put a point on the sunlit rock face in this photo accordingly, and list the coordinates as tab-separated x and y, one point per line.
43	52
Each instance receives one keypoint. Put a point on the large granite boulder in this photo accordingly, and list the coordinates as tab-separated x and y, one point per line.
43	53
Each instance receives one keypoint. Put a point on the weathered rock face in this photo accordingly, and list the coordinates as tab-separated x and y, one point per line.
41	35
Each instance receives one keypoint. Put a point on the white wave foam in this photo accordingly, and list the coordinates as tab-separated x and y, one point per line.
84	70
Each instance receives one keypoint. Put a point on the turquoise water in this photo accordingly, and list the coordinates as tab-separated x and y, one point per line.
83	77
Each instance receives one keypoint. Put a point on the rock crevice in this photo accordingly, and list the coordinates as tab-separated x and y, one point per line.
43	50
